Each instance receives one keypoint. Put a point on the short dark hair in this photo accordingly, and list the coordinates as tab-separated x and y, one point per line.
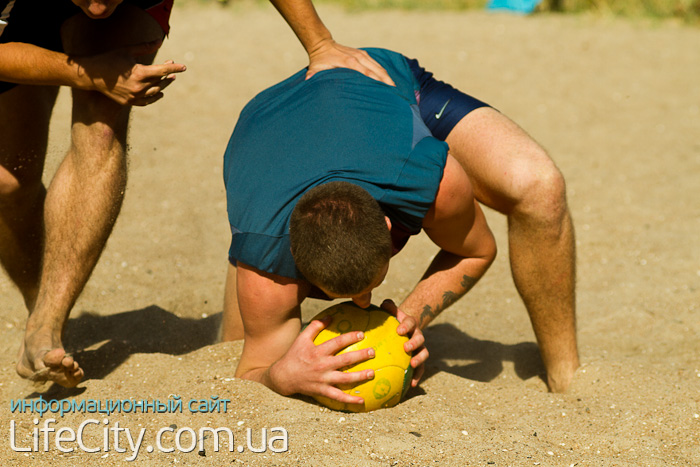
339	237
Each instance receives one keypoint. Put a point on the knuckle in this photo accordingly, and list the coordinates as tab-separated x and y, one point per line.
321	389
321	370
345	359
137	71
314	355
344	339
316	325
344	378
352	377
325	380
351	338
137	88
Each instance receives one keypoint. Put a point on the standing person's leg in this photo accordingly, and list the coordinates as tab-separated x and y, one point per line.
512	174
84	198
25	112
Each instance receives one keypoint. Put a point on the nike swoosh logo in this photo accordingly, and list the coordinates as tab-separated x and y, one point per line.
439	114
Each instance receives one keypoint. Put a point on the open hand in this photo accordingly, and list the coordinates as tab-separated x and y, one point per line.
119	76
329	54
315	370
409	327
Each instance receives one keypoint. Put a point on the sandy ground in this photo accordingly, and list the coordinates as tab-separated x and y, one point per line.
618	106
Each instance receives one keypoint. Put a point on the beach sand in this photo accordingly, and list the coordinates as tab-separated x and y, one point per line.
616	103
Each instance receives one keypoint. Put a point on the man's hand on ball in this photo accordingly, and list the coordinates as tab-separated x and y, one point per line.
316	370
416	343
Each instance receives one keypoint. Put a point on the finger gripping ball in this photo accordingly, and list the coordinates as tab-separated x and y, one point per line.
391	363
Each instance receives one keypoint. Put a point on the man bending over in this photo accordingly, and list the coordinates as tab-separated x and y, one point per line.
326	179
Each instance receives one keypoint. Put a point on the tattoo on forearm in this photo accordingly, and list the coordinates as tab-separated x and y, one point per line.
467	283
448	298
427	315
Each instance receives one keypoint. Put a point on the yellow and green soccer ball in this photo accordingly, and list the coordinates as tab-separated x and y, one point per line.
391	363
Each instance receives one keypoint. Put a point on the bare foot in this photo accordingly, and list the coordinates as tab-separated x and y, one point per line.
40	361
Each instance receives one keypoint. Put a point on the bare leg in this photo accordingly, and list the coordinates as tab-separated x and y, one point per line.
231	324
83	200
542	259
24	124
513	175
24	131
81	207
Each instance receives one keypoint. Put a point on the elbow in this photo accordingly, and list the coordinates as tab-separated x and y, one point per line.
490	250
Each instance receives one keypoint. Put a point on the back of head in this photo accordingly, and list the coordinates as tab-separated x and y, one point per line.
339	237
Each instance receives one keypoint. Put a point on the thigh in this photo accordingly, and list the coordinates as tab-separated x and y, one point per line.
128	25
501	159
441	105
25	112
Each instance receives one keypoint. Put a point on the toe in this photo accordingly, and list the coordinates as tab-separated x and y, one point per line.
68	363
54	358
64	370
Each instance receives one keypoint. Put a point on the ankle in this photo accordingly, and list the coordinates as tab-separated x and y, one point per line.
38	328
559	379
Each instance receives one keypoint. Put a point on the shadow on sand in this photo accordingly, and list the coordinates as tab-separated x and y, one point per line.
148	330
453	351
155	330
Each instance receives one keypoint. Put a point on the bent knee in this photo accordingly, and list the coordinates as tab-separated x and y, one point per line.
98	124
17	193
9	185
542	192
94	108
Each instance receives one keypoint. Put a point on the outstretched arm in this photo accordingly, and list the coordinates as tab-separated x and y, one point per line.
115	74
276	354
458	226
324	52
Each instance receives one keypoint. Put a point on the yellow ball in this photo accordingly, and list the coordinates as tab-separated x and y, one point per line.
391	363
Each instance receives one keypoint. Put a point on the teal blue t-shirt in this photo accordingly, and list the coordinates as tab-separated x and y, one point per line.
337	126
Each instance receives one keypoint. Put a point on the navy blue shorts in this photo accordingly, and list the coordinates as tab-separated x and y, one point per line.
441	106
39	22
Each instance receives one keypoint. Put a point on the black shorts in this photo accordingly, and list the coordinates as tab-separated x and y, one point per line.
441	106
39	22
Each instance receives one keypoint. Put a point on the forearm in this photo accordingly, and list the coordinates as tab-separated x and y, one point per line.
270	309
28	64
448	278
304	21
